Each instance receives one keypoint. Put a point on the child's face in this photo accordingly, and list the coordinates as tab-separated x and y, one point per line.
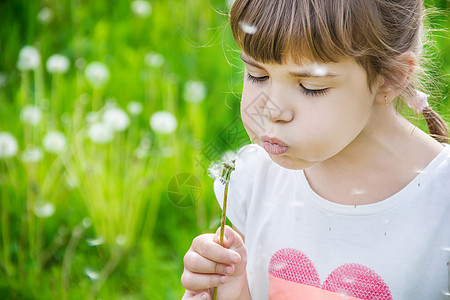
316	113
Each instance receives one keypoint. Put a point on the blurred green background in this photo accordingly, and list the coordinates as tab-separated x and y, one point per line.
110	114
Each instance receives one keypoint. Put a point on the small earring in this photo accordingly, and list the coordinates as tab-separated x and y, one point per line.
385	100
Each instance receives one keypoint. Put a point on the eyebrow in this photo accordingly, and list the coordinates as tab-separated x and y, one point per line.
304	74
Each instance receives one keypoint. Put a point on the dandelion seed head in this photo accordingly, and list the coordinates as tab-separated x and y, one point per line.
93	275
57	64
97	74
95	241
32	154
194	91
29	59
8	145
45	15
54	142
248	28
116	119
319	70
99	133
163	122
153	59
229	156
134	108
31	115
44	209
141	9
215	170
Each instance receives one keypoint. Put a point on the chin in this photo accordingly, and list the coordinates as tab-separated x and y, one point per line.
289	163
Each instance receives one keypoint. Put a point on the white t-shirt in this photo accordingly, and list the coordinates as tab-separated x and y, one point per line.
301	246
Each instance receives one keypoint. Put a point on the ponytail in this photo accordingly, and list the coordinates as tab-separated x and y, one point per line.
437	126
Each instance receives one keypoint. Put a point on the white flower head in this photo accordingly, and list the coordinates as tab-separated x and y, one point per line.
32	154
99	133
8	145
141	8
31	115
163	122
97	74
194	91
44	209
54	142
248	28
95	242
134	108
45	15
57	64
29	59
116	119
93	275
153	59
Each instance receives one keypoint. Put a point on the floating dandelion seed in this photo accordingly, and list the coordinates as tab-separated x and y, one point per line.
31	115
319	70
45	15
248	28
163	122
99	133
8	145
141	9
93	275
95	242
194	91
134	108
54	142
44	209
57	64
116	119
32	154
153	59
29	59
97	74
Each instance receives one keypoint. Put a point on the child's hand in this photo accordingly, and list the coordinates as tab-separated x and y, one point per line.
207	264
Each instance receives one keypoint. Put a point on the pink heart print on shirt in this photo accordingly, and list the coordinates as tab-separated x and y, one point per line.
292	275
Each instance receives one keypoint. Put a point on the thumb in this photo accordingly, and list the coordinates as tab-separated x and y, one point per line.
231	239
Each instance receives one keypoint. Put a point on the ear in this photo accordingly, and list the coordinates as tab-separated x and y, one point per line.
401	75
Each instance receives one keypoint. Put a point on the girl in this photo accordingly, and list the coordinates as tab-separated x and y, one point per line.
339	197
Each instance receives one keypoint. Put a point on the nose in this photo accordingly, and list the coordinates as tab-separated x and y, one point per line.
277	111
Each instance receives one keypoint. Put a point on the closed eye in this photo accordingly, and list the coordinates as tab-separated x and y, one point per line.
256	79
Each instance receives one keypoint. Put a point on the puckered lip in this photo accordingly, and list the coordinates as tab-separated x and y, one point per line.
273	140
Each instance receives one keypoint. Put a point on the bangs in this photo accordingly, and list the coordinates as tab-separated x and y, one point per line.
314	30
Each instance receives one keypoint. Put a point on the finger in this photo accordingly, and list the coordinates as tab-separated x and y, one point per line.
195	295
231	239
198	282
206	247
196	263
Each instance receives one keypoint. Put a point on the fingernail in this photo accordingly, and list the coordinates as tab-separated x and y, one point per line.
204	296
228	270
235	259
222	279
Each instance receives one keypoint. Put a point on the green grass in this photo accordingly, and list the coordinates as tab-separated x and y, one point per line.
114	191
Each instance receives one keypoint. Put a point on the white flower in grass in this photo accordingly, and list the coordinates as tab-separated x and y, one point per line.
93	275
163	122
194	91
54	142
44	209
153	59
45	15
134	108
116	119
29	59
31	115
95	242
32	154
8	145
141	8
97	74
57	64
99	133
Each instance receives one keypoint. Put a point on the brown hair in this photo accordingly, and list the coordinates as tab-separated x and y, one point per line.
376	33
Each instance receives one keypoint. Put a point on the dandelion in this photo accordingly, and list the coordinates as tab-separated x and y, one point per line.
44	209
45	15
32	154
248	28
29	59
57	64
116	119
95	242
93	275
153	59
99	133
54	142
141	9
97	74
163	122
8	145
31	115
134	108
194	91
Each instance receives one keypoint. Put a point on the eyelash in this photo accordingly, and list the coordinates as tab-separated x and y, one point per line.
307	92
